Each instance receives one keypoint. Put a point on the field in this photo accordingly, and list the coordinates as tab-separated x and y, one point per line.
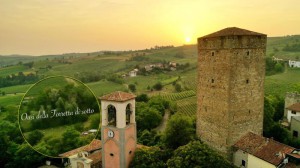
281	83
276	44
12	70
122	62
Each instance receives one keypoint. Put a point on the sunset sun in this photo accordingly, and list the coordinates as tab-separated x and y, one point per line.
187	40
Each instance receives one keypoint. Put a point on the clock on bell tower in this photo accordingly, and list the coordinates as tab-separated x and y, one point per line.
118	131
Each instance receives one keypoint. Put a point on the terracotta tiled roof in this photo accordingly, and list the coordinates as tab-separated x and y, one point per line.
233	31
294	107
94	145
118	96
264	148
96	157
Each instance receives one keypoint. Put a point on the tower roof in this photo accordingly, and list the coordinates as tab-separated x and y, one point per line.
233	31
294	107
118	96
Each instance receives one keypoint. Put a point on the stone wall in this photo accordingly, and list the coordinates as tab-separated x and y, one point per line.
231	72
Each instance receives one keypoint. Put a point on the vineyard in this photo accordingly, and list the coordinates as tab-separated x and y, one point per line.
190	83
178	96
187	106
186	101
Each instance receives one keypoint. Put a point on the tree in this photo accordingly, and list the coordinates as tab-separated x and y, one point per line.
268	116
149	138
132	87
147	117
279	108
179	131
279	67
197	154
150	157
34	137
142	98
29	64
70	139
158	86
279	133
23	156
178	87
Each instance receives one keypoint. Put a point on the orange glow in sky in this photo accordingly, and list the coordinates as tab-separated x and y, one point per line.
38	27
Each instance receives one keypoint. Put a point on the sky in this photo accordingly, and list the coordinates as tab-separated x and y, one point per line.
41	27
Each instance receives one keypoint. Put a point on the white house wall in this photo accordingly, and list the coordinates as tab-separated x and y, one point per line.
254	162
289	115
238	156
294	64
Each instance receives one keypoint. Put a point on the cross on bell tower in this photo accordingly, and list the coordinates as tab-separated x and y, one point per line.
118	131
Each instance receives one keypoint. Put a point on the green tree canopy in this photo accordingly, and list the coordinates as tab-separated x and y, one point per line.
179	131
197	154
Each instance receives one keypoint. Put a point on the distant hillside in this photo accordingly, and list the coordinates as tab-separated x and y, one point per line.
15	59
276	47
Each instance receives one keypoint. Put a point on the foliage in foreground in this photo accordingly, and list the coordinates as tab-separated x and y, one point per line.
194	154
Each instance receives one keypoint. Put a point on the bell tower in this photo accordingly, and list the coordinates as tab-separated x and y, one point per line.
118	131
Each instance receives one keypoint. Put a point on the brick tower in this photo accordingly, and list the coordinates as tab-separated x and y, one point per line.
230	90
118	131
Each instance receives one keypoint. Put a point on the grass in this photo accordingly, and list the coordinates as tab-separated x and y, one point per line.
53	82
12	70
104	87
279	43
98	65
281	83
16	89
11	99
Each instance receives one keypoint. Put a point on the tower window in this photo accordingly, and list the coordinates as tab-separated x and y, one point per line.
244	163
295	134
111	154
112	114
212	81
247	81
128	113
212	53
247	53
130	152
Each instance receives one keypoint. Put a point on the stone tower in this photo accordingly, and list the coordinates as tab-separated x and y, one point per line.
230	90
118	131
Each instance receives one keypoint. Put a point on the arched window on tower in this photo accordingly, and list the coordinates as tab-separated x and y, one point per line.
112	115
128	113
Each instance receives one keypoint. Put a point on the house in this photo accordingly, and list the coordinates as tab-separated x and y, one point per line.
172	64
255	151
293	64
148	68
290	99
159	65
293	110
88	156
295	126
277	59
133	73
